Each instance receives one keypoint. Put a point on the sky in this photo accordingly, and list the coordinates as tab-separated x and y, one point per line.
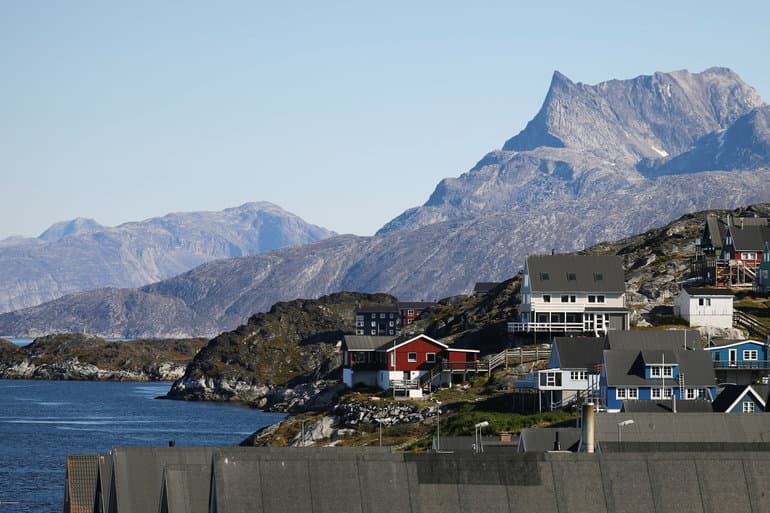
344	113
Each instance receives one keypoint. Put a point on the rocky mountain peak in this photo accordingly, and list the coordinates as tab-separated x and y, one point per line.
650	116
77	226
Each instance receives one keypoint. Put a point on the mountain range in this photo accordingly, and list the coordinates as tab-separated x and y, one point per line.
596	163
81	254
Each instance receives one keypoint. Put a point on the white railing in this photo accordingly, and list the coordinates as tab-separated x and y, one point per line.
529	327
404	384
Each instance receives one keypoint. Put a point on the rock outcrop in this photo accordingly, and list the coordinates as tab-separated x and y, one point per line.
83	357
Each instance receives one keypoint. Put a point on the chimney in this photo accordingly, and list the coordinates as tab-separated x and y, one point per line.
588	427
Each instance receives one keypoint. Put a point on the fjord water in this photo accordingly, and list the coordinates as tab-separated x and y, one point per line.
43	421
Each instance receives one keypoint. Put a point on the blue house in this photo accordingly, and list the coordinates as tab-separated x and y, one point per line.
741	399
739	361
655	374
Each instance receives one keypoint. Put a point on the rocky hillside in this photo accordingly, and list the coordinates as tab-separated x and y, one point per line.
557	185
284	358
276	358
79	255
83	357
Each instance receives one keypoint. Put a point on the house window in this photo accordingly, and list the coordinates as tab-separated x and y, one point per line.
620	393
600	299
750	354
410	312
576	375
655	393
390	332
598	276
553	379
633	393
571	277
704	301
360	318
654	372
592	299
390	324
374	323
668	372
748	256
660	393
382	316
748	407
565	299
374	332
546	298
430	357
359	332
544	276
411	357
359	324
691	393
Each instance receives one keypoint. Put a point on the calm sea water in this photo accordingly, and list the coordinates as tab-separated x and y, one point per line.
43	421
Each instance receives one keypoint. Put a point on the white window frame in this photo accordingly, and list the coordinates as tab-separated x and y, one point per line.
410	358
633	393
655	371
668	371
577	375
655	393
600	299
430	357
374	332
620	393
592	298
748	407
750	355
410	312
546	298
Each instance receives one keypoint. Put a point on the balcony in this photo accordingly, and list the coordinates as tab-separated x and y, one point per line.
742	365
548	327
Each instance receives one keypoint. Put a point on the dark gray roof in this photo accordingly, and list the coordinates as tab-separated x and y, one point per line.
415	305
81	481
731	393
653	339
365	342
708	291
185	488
667	406
716	231
543	439
483	287
377	309
626	368
750	237
587	270
658	356
579	352
684	427
137	473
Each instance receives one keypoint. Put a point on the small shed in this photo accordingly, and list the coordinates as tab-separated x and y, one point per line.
705	306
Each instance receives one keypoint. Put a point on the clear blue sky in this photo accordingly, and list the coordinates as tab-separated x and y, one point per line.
341	112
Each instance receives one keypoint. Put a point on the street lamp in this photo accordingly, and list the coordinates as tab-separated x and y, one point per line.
623	424
438	425
477	433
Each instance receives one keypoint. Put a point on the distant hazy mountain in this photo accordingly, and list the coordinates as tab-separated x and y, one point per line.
596	163
79	255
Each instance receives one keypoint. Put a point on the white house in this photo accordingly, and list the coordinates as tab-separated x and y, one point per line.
572	294
709	307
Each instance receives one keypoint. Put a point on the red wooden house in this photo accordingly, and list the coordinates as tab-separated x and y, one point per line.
401	365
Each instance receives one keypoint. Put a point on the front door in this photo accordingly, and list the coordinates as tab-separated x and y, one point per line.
733	357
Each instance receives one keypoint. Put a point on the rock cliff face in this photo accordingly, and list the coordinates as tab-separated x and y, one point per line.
278	359
585	143
597	163
79	255
83	357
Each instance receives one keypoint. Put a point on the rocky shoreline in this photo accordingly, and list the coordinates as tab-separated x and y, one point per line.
89	358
